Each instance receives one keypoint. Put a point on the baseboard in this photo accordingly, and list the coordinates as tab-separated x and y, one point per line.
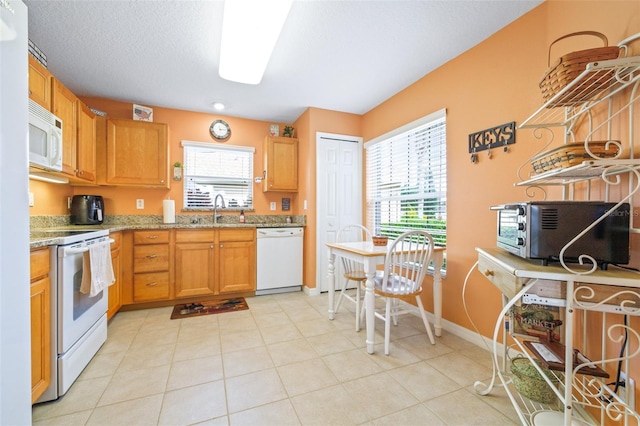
315	291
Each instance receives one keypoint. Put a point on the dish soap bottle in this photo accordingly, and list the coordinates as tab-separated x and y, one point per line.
241	216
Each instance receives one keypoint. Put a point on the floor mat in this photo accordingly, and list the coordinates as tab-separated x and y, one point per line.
197	309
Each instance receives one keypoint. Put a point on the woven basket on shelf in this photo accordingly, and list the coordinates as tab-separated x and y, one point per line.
566	68
529	382
571	154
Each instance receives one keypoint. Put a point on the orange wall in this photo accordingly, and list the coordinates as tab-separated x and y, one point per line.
494	83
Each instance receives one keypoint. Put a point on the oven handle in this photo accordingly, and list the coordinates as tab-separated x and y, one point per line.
72	251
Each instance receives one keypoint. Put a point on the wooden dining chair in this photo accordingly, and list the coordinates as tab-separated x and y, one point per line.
405	266
352	270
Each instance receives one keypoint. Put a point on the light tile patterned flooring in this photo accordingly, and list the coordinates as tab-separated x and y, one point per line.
282	362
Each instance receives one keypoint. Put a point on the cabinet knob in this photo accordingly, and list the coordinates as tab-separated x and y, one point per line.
211	246
152	256
161	180
488	273
153	284
221	245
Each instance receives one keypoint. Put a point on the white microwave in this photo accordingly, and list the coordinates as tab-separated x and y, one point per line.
45	138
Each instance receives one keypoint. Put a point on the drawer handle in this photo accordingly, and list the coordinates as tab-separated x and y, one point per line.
152	237
152	256
488	273
153	284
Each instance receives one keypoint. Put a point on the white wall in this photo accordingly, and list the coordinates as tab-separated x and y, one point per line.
15	329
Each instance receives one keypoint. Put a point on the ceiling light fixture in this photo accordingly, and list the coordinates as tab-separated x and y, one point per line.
218	106
250	29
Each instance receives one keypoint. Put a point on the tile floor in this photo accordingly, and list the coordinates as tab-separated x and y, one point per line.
282	362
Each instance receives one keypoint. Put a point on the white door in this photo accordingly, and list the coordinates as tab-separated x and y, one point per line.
338	194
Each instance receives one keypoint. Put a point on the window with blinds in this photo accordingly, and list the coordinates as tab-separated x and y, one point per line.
406	179
211	169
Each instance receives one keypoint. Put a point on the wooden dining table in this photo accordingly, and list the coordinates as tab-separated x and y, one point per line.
371	256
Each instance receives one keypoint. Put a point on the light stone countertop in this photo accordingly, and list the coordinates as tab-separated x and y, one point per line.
42	225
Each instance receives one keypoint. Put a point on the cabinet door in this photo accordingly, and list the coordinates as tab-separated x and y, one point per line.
137	153
86	153
281	164
115	290
194	269
39	83
65	107
237	266
40	323
40	337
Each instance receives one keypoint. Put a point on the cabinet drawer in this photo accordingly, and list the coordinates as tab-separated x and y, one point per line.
150	237
151	258
237	234
506	282
195	236
150	286
39	261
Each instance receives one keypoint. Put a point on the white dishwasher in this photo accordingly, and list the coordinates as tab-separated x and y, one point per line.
279	260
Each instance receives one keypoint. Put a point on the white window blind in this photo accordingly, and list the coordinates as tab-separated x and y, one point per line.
406	180
211	169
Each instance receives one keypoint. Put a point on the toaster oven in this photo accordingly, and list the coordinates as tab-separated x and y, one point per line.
538	230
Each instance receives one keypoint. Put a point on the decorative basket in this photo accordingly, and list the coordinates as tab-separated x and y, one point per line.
566	68
573	153
379	240
529	382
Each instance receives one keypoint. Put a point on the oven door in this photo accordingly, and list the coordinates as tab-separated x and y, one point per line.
511	234
77	312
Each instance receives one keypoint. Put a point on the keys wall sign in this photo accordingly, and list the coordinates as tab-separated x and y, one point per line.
496	137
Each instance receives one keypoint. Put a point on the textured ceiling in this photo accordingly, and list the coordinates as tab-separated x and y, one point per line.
335	54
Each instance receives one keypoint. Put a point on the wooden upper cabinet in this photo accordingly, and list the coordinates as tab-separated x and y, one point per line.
281	164
86	148
137	154
65	107
39	83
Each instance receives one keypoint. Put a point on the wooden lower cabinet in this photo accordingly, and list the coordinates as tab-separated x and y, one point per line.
151	265
115	290
40	322
194	263
185	264
236	260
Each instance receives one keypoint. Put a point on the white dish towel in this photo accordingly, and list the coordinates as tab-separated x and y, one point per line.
97	270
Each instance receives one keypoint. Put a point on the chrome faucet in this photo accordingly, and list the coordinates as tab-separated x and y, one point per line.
216	216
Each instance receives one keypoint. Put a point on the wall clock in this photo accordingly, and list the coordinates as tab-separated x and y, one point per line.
220	130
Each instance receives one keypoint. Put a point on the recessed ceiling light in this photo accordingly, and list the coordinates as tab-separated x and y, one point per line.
219	106
250	29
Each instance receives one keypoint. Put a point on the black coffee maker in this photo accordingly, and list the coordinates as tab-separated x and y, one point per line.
87	210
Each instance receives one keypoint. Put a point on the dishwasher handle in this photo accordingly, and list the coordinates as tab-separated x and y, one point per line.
279	232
